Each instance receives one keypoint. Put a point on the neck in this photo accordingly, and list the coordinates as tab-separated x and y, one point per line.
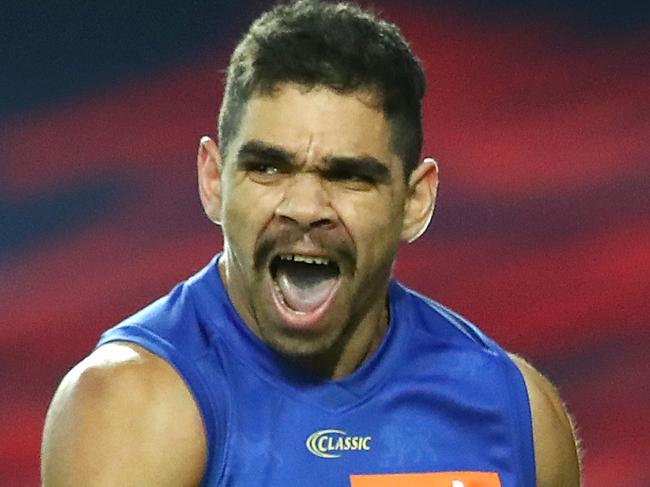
351	350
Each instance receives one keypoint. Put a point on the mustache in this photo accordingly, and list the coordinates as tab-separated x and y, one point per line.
279	239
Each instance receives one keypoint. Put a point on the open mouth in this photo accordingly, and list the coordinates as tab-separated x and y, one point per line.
304	284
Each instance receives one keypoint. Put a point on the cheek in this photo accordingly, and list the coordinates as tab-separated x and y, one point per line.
247	210
371	220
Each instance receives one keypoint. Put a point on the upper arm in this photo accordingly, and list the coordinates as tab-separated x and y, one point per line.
122	417
557	459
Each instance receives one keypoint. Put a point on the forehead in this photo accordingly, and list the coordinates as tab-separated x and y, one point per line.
318	123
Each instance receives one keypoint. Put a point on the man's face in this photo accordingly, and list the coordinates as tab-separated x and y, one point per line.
312	201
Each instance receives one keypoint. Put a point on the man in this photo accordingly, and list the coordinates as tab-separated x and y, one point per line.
294	358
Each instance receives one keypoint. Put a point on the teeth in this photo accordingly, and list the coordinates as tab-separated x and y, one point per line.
305	258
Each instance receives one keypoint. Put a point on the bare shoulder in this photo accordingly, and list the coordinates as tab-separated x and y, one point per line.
557	456
122	416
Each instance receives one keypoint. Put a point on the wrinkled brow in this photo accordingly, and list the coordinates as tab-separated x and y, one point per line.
366	166
256	149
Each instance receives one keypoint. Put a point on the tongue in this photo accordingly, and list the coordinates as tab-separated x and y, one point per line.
304	290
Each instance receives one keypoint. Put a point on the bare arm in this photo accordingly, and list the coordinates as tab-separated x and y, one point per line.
122	417
557	457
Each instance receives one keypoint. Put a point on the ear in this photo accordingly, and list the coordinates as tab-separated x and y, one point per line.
420	200
209	167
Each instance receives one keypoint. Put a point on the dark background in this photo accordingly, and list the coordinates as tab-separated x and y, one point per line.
538	112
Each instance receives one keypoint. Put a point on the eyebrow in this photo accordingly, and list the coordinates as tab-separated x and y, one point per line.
256	149
364	165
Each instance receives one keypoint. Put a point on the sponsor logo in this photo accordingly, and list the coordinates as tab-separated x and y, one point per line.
332	443
434	479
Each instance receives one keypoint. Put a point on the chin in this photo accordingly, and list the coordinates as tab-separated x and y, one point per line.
301	346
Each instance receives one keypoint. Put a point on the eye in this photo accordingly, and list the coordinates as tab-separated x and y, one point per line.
354	180
263	168
359	178
263	172
267	170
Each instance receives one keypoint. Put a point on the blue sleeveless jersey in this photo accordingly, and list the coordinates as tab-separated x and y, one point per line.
438	404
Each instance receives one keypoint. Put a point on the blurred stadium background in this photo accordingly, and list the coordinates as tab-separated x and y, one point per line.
538	112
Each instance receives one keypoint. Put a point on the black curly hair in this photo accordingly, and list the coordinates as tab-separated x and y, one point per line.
336	45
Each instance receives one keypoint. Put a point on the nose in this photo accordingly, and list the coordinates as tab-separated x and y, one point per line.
306	202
